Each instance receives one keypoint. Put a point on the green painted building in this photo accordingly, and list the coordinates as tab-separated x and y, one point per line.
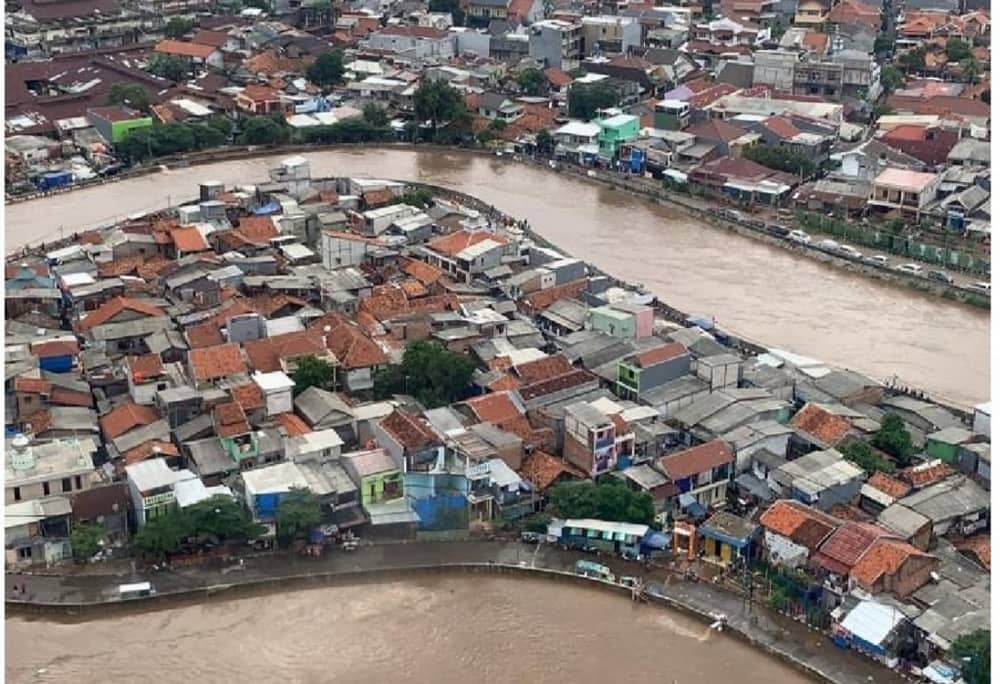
379	477
115	122
944	444
614	322
616	130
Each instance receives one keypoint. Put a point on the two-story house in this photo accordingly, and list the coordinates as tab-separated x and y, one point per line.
466	253
591	440
36	471
651	369
377	475
908	192
151	488
703	471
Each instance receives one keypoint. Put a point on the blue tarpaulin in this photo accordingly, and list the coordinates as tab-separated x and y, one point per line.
269	208
691	506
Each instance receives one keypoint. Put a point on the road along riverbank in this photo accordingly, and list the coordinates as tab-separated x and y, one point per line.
94	596
759	291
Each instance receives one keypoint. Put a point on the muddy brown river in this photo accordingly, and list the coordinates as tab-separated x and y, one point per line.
760	292
459	630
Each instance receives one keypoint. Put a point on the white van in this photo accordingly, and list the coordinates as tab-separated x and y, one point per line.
800	237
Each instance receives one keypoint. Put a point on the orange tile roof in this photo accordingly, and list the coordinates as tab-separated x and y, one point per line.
353	348
543	369
542	469
144	367
504	383
883	557
978	546
40	422
453	243
816	41
31	385
540	300
696	459
213	363
188	240
265	355
126	417
656	355
205	334
248	395
115	306
422	271
408	430
67	397
494	408
926	473
257	230
845	547
573	378
154	448
182	49
827	427
230	420
800	523
414	289
294	426
557	77
889	485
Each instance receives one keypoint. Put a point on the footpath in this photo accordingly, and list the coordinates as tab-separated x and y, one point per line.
94	596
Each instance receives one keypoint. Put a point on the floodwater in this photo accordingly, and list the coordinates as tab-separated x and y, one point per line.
443	630
762	293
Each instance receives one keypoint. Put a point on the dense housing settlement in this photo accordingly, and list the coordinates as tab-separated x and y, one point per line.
344	359
305	363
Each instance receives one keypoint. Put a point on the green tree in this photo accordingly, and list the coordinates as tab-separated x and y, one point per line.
782	159
862	455
170	67
610	500
985	96
531	81
914	59
432	374
347	131
585	99
178	27
883	110
313	372
263	130
437	102
298	512
778	600
971	69
374	115
86	539
417	198
957	49
486	136
220	519
973	652
129	95
206	136
894	439
544	141
327	70
162	535
883	43
222	124
452	6
892	78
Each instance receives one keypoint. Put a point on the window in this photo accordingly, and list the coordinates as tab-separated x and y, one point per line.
79	482
45	489
67	484
24	553
17	493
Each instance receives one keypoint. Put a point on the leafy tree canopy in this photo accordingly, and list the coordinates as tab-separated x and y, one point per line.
957	49
129	95
973	652
218	519
860	453
452	6
585	99
298	512
170	67
892	78
532	81
173	138
782	159
894	439
610	500
328	69
313	372
437	102
178	27
86	539
432	374
375	116
263	130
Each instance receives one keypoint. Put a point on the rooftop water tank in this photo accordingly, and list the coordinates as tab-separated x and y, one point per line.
22	457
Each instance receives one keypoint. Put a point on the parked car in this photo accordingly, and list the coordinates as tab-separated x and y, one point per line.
531	537
877	260
799	236
850	252
829	245
912	269
982	288
940	276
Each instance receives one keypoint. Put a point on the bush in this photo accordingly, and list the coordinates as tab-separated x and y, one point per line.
861	454
585	99
610	500
782	159
434	375
894	439
349	131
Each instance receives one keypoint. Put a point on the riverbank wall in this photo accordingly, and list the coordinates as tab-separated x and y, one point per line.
736	625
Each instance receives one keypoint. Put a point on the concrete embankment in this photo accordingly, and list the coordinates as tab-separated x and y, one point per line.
769	633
